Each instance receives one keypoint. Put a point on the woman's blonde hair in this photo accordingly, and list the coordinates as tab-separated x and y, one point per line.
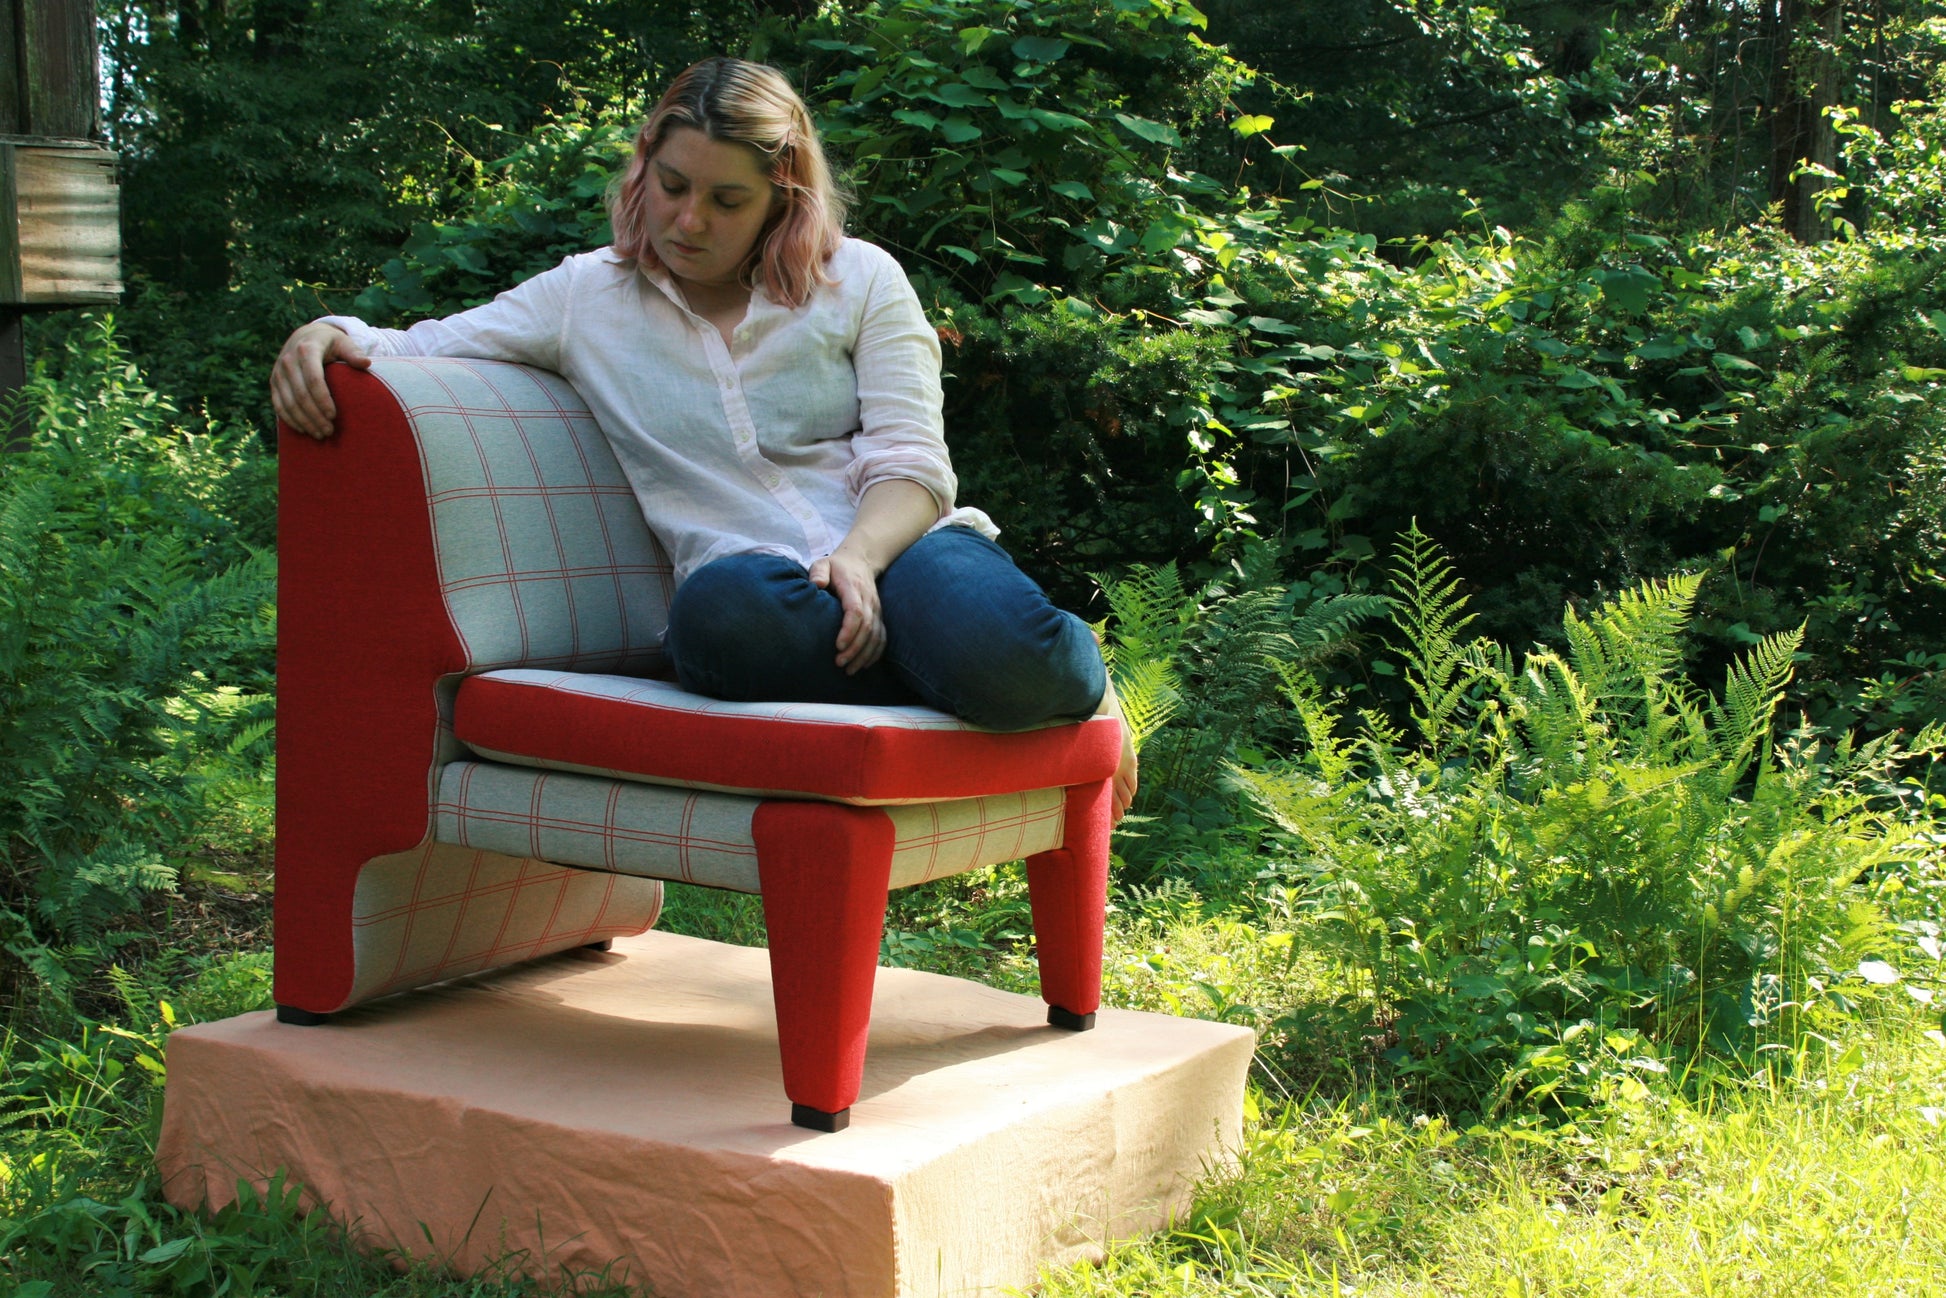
745	103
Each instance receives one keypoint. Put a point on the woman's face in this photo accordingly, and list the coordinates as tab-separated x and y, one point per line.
708	203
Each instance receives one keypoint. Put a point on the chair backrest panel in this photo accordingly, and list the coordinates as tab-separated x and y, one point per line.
544	557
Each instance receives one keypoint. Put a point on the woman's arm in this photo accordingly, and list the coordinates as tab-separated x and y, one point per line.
522	325
895	357
892	514
900	474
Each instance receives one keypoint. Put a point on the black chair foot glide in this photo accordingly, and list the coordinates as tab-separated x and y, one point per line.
302	1018
1068	1019
804	1115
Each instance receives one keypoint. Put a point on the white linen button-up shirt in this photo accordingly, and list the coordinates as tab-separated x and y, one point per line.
762	446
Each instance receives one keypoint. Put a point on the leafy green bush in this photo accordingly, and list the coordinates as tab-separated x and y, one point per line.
1576	866
539	203
1076	434
1572	416
1147	363
1895	182
1017	152
1427	111
135	633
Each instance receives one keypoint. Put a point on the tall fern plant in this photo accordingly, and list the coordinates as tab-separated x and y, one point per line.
1580	867
121	607
1200	676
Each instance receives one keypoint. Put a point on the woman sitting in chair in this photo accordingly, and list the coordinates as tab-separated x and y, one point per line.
771	389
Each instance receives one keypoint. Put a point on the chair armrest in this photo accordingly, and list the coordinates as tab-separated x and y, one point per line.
363	634
363	641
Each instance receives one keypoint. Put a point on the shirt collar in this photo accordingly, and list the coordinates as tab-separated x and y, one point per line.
659	276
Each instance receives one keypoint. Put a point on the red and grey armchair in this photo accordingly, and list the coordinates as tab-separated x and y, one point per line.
478	762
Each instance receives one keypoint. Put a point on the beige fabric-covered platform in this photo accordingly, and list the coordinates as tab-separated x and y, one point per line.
629	1106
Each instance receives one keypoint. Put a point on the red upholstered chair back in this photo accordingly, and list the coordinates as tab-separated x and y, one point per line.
468	516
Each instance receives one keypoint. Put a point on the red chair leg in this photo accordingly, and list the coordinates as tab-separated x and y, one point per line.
825	869
1068	888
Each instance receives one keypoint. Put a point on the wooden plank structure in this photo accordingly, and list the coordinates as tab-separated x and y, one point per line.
60	205
48	69
62	245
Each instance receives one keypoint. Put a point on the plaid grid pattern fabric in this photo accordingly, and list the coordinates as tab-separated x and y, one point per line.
440	911
702	837
939	839
641	829
544	558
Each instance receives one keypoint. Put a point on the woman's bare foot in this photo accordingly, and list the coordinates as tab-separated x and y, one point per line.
1125	781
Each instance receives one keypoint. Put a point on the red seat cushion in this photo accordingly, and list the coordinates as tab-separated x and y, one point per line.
629	728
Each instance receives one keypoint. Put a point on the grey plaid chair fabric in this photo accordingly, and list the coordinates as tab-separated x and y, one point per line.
544	558
695	836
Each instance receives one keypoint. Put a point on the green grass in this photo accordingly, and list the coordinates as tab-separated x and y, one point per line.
1826	1175
1825	1185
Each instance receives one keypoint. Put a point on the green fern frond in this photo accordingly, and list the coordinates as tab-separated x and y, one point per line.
1560	714
1149	697
1431	611
1689	732
1628	651
250	736
1327	751
1221	656
1324	627
1304	806
1152	613
1237	648
1751	697
1379	733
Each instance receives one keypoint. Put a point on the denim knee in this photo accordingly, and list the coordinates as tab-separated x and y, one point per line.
733	619
752	628
1011	678
975	636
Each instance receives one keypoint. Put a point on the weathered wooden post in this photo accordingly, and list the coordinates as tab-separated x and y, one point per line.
60	206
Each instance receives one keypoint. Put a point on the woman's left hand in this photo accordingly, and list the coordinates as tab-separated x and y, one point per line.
861	636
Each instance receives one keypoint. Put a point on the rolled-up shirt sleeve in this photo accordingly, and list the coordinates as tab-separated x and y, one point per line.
523	325
901	428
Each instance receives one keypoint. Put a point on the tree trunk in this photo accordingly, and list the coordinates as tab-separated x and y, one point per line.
280	27
1804	83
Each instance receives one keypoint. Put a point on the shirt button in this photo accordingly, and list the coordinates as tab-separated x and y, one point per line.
728	384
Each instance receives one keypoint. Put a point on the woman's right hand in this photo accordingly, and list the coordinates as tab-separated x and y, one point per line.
297	390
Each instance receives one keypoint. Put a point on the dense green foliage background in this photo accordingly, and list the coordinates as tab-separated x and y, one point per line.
1262	277
1507	446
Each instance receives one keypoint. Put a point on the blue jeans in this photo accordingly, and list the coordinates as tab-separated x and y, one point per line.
967	632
